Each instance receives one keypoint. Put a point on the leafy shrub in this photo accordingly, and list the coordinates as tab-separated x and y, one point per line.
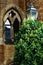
29	43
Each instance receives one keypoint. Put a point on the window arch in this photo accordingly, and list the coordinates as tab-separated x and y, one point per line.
12	21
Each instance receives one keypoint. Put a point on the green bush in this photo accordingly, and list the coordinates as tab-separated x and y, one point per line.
29	43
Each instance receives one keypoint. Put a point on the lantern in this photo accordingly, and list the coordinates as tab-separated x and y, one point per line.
32	13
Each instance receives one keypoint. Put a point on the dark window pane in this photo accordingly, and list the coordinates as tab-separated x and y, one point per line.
7	30
16	25
12	14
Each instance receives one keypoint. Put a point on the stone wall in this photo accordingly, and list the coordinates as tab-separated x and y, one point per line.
7	51
6	54
1	54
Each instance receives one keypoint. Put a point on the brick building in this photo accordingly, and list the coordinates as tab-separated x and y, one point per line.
19	7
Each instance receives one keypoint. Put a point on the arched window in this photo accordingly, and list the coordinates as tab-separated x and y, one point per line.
12	21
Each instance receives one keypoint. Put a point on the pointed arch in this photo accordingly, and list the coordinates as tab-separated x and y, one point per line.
15	16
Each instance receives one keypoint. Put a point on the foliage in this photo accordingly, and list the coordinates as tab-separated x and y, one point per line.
29	43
